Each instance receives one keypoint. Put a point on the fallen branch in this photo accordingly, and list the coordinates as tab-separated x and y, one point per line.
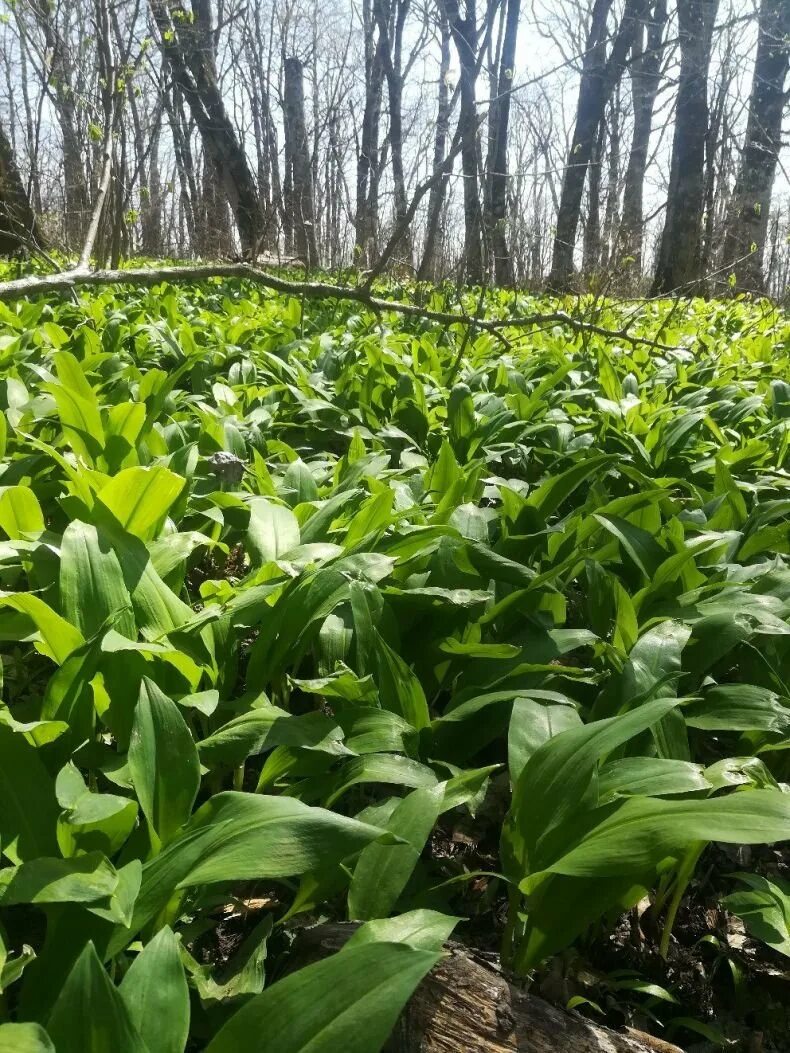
464	1006
67	281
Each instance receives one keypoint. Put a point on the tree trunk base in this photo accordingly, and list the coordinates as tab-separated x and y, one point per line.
464	1007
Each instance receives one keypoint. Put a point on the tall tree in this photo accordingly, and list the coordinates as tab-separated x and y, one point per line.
744	245
497	176
679	254
465	36
61	86
645	69
192	62
391	26
599	76
299	172
428	266
368	154
18	226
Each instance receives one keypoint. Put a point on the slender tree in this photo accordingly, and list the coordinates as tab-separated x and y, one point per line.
680	250
465	37
186	42
599	76
747	225
645	68
497	176
300	174
18	228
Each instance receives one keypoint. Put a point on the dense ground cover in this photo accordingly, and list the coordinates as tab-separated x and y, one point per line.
312	613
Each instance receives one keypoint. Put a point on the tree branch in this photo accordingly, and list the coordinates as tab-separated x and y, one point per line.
66	281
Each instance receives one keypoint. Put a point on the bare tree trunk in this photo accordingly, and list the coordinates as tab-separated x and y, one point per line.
714	146
497	176
679	253
645	71
17	220
436	197
299	155
368	159
591	250
599	77
611	215
77	195
744	245
189	48
392	47
464	32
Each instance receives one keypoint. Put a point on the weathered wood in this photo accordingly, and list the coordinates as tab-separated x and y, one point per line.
465	1007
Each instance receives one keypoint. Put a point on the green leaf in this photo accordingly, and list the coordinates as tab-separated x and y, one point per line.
637	834
427	930
83	879
24	1038
20	513
92	589
140	498
273	531
29	811
163	762
91	821
382	871
399	689
560	772
239	837
156	995
349	1001
764	908
90	1016
266	727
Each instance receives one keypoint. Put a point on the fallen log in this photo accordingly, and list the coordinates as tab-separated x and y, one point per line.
464	1007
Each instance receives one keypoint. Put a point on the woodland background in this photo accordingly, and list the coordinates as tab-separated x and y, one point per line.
631	146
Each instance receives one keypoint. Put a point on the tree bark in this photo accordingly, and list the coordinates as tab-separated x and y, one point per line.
591	245
464	33
599	76
61	78
428	266
679	254
497	176
463	1006
368	155
18	226
744	245
299	156
392	47
189	49
645	71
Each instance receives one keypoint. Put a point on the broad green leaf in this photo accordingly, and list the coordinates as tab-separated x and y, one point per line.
24	1038
83	879
399	689
90	1016
140	498
20	513
427	930
239	837
273	531
92	589
636	835
349	1001
156	995
29	811
382	871
163	762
